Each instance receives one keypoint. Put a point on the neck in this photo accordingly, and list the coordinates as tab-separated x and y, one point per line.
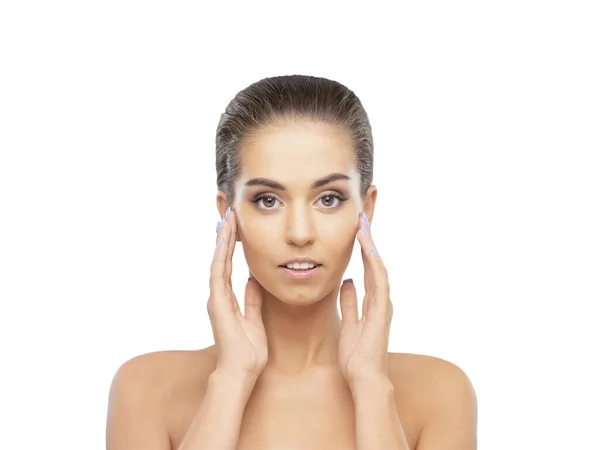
301	338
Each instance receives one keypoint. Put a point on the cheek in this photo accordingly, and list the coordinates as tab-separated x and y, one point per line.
339	237
256	236
261	236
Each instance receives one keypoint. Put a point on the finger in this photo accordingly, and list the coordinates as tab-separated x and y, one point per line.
368	246
231	220
348	303
369	282
217	268
364	248
253	302
220	224
373	263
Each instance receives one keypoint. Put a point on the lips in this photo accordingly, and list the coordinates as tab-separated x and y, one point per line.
300	264
301	273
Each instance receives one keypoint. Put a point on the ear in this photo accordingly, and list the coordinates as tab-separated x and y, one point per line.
369	202
222	205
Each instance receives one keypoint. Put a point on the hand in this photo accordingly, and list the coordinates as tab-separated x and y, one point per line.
363	345
240	340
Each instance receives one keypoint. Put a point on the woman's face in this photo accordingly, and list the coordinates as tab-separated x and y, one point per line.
298	196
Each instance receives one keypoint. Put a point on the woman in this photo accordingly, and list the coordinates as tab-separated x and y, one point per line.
294	173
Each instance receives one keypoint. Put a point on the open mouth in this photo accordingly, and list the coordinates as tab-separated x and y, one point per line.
299	267
300	271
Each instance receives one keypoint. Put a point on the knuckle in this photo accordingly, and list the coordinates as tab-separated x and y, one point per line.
213	307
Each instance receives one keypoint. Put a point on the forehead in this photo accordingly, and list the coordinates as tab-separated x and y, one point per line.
302	151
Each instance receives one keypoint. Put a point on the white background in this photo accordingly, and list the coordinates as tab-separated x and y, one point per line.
486	124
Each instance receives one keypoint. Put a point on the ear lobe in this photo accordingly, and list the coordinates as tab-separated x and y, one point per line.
370	200
222	203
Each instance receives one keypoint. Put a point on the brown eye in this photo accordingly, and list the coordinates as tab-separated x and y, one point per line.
268	201
332	201
328	200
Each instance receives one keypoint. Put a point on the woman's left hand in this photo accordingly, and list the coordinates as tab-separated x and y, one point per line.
363	345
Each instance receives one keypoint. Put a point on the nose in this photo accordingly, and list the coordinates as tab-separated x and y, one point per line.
299	227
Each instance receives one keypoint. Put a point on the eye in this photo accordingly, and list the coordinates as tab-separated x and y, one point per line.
332	200
267	201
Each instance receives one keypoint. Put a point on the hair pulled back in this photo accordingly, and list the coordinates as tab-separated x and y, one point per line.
290	97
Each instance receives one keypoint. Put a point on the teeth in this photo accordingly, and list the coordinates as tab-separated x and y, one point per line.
300	266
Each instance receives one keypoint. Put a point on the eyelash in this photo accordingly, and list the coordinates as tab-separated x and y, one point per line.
341	199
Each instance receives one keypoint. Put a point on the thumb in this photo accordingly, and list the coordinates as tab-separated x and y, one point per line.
253	302
348	303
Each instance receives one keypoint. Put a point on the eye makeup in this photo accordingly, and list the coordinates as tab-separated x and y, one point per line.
336	195
349	192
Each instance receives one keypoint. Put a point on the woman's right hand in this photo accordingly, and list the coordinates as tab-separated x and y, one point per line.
240	340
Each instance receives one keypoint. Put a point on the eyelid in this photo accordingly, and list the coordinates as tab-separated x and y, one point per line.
327	193
263	195
331	192
258	197
341	198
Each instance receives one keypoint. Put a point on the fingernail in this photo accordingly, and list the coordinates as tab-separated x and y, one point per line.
227	212
375	252
364	216
219	225
220	242
347	280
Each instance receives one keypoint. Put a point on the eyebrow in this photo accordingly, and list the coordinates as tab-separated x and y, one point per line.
317	184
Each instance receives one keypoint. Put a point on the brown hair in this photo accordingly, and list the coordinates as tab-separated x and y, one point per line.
290	97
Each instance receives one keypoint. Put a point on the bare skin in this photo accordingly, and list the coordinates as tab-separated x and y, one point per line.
312	411
288	339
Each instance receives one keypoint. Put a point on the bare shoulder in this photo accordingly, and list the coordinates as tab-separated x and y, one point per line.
142	389
427	371
162	367
443	395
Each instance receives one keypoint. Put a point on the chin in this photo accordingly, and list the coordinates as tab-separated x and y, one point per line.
299	300
293	290
299	293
